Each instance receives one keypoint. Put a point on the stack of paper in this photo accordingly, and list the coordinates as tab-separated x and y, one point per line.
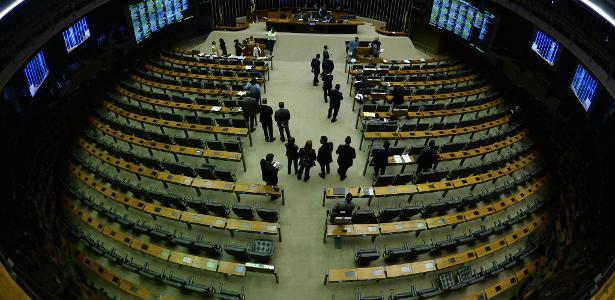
397	159
216	108
406	158
407	61
242	93
248	67
370	114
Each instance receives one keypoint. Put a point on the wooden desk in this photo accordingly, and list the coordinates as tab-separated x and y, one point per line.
233	225
341	275
403	226
258	189
500	287
205	220
230	268
455	259
356	192
293	25
214	66
375	273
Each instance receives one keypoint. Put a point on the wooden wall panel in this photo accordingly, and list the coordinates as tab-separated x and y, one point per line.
395	13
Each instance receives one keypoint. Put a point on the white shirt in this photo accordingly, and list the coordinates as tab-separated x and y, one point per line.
271	35
256	52
215	50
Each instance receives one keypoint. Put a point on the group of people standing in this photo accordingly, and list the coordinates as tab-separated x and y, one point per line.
301	160
333	96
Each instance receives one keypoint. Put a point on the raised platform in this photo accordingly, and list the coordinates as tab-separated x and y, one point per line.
288	25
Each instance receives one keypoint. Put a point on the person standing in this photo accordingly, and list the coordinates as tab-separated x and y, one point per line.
266	113
316	68
398	96
271	38
238	48
327	66
325	157
327	83
335	97
380	157
250	109
376	47
307	159
256	51
282	116
346	155
223	47
254	89
269	172
214	49
427	157
292	153
325	53
352	46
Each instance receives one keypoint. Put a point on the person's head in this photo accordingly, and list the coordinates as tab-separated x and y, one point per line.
348	197
432	143
264	100
251	38
356	38
236	41
318	55
337	86
269	157
323	139
377	38
281	104
308	146
221	41
326	47
213	43
291	140
253	81
348	140
386	145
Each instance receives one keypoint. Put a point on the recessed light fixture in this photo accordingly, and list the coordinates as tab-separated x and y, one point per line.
9	8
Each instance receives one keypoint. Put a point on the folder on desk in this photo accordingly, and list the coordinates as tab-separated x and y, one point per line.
339	191
406	158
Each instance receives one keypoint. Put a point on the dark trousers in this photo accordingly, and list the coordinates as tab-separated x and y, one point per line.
316	73
270	44
251	121
341	170
326	91
422	168
325	167
379	170
272	181
307	172
334	110
268	131
284	128
290	162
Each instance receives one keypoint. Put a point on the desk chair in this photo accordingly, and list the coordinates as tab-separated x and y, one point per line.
198	288
261	250
268	214
230	295
363	216
394	254
389	214
403	179
410	295
384	180
213	249
218	209
243	211
237	251
364	257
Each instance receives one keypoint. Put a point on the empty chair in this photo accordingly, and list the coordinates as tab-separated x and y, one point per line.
237	251
172	280
232	146
432	208
217	209
268	214
224	122
211	248
363	216
382	108
261	250
394	254
447	280
225	176
239	123
364	257
229	295
198	288
410	211
243	211
215	145
389	127
389	214
403	179
410	295
206	172
369	107
384	180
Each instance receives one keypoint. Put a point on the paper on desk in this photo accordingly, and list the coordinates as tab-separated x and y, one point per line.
406	158
381	50
248	67
370	114
216	108
407	61
384	61
397	159
242	93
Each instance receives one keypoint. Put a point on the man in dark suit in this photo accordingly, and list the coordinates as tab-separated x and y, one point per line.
343	208
325	156
250	108
334	105
316	68
282	116
381	159
269	171
427	157
325	53
327	66
266	113
398	96
327	83
346	154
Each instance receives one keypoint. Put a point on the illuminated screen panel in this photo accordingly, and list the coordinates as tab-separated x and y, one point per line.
584	87
464	20
149	16
35	72
76	34
545	46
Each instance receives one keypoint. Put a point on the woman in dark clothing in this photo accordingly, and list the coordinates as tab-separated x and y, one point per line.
223	47
291	153
307	159
238	48
325	157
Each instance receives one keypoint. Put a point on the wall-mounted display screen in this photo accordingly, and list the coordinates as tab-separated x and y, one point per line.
463	19
35	72
545	46
584	87
149	16
76	34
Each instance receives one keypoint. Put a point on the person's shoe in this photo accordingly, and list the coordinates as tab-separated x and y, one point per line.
328	171
299	177
315	84
253	129
321	175
342	178
334	120
328	116
283	139
271	141
306	179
